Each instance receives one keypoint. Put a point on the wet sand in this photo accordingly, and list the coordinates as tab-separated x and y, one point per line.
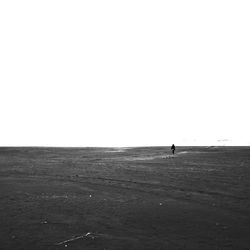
125	198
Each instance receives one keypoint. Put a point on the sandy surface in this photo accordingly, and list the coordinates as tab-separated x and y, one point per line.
125	198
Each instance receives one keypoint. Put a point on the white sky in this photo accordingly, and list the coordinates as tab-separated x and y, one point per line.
124	73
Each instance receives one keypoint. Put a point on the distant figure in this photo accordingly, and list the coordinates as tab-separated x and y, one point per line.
173	148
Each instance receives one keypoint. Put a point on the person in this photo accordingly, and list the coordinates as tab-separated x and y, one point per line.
173	148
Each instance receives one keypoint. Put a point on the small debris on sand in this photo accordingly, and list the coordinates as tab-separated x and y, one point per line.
87	235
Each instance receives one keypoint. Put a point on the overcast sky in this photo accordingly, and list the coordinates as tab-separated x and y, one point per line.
124	73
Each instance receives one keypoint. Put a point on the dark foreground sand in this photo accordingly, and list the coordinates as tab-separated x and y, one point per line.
134	198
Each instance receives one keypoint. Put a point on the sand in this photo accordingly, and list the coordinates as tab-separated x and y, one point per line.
125	198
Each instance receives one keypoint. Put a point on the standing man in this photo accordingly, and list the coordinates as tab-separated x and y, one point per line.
173	148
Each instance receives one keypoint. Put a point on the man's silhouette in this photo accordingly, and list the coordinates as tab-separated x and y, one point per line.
173	148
